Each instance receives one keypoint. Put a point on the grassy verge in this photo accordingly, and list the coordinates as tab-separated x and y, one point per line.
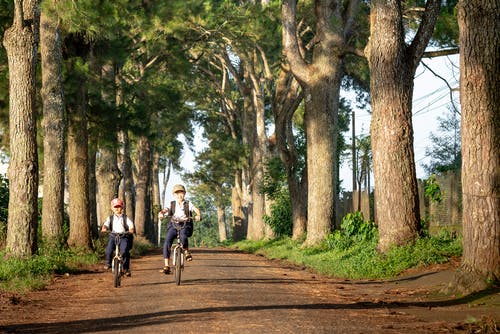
22	275
352	258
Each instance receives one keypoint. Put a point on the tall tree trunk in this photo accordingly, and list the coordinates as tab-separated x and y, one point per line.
321	120
286	102
257	140
108	175
53	125
143	166
221	223
126	191
155	194
248	136
320	80
239	218
93	216
392	67
108	178
21	42
78	173
479	97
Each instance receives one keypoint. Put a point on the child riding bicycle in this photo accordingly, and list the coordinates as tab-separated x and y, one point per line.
179	208
119	223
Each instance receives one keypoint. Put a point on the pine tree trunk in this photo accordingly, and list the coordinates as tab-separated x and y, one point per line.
21	41
108	178
320	80
321	120
155	193
258	152
78	175
479	98
221	223
126	191
141	188
285	104
53	124
239	220
93	217
392	67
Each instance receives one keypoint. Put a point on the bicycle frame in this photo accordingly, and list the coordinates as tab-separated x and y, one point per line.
117	262
178	253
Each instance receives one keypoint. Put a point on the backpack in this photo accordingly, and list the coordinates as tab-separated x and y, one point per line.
189	224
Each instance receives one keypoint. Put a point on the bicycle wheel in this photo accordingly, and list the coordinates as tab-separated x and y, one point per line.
177	264
116	272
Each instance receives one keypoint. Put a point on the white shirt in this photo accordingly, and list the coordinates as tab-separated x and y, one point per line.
179	209
118	226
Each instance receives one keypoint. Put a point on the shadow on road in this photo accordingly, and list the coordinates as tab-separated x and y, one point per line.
205	314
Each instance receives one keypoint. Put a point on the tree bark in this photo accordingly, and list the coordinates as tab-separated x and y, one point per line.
126	191
53	124
108	178
320	80
93	216
239	219
21	42
143	166
221	223
286	102
155	193
479	97
392	67
78	173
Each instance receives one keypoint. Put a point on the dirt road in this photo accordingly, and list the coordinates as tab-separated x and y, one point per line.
225	291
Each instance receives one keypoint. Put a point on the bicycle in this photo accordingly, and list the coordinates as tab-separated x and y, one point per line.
117	261
178	253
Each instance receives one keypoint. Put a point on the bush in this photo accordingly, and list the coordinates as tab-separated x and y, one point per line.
280	220
353	229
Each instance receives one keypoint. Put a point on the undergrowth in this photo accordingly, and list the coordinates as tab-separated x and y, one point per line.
351	252
34	273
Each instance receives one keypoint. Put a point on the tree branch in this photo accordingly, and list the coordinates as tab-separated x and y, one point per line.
447	84
440	53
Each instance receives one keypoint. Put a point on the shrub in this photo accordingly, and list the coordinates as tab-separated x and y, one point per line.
280	220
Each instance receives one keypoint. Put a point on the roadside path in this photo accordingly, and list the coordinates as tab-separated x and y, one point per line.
226	291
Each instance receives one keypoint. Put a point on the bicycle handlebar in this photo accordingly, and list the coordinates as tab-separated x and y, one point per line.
180	220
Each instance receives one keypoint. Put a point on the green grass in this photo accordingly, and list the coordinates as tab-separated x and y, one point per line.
360	259
36	272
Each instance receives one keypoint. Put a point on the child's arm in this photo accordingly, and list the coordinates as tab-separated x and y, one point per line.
198	214
163	213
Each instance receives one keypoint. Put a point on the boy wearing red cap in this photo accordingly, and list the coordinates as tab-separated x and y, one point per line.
118	223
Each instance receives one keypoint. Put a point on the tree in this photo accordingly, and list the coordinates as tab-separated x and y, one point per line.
54	126
78	171
21	44
479	96
320	78
392	64
445	151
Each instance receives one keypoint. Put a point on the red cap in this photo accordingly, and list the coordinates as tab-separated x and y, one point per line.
116	202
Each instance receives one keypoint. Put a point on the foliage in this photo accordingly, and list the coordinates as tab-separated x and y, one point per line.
432	189
280	220
360	259
353	229
445	152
